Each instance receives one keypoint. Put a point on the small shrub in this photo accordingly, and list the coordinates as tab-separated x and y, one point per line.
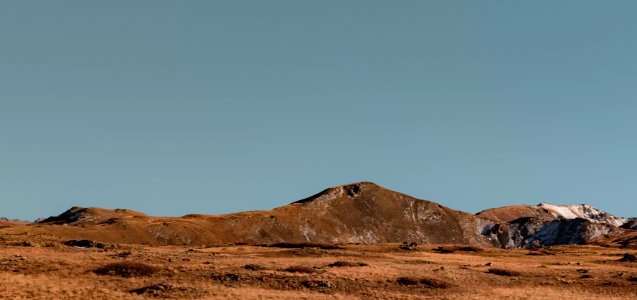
153	290
300	269
503	272
628	257
419	262
469	248
341	263
314	284
445	250
434	283
253	267
306	245
408	246
452	249
127	269
124	254
231	277
163	291
540	252
425	281
85	244
407	281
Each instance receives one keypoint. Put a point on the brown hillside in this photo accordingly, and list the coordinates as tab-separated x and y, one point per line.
355	213
626	240
91	216
513	212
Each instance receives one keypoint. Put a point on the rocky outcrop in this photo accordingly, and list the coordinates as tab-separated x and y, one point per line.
533	232
630	224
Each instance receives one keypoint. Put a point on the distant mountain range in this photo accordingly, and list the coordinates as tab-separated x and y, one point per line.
4	222
354	213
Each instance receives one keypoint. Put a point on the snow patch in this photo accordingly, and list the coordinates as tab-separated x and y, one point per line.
307	232
582	211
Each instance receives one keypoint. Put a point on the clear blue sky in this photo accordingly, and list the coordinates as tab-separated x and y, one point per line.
176	107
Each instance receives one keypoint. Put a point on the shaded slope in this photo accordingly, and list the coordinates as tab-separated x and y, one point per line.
630	224
530	232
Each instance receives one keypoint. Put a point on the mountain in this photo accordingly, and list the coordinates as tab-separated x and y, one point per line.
548	224
354	213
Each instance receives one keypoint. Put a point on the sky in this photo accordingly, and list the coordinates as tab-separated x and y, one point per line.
177	107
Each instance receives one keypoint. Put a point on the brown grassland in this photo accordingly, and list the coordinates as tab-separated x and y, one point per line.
53	270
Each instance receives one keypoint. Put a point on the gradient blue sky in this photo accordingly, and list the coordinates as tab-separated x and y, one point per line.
176	107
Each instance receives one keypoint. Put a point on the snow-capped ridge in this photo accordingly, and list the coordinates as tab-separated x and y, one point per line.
582	211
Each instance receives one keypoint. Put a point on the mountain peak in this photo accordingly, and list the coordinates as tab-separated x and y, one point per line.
350	190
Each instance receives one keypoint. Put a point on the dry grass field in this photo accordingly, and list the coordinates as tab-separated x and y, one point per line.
53	270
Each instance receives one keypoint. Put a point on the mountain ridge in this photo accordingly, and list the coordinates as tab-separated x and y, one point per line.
361	212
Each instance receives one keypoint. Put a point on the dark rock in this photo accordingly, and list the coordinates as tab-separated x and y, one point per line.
253	267
408	246
503	272
127	269
582	271
153	289
628	258
407	281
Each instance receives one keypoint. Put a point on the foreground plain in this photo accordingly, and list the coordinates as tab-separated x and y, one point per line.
52	270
